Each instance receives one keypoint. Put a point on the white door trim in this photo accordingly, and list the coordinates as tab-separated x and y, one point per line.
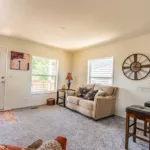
6	69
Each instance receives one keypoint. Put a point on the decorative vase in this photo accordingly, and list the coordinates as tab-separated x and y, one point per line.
63	87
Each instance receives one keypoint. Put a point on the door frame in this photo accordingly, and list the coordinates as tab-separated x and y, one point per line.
6	70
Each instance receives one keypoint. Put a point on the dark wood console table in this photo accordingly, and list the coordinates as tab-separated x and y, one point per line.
63	98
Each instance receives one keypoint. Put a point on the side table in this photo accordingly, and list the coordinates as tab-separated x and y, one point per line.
63	98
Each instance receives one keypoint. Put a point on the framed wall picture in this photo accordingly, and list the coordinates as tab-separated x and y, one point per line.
19	61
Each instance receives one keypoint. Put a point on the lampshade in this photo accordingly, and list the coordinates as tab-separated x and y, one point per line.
69	76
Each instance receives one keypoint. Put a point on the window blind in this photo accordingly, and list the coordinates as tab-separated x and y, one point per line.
101	71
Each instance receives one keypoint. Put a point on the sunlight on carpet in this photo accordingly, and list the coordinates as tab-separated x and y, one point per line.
7	117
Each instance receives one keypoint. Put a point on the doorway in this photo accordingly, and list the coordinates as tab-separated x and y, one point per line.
3	58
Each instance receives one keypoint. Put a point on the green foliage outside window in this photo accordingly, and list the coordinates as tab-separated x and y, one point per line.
41	66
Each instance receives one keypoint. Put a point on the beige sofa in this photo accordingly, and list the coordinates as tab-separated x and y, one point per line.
99	108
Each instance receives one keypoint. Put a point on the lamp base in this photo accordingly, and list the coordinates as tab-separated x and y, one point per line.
69	83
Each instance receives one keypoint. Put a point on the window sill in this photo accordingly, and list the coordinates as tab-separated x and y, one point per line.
37	93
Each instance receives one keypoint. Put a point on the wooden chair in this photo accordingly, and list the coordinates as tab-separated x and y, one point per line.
146	104
136	112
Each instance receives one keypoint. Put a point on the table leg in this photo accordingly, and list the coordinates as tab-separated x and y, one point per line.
134	130
145	128
127	131
64	99
149	133
57	97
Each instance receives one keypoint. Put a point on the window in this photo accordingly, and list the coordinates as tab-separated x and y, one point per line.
100	71
44	75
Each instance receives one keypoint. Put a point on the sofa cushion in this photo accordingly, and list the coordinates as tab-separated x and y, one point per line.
85	111
107	89
72	106
86	104
73	99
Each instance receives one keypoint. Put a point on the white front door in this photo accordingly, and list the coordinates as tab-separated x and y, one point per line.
3	56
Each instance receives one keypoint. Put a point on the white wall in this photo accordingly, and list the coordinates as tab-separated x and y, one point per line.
18	83
129	91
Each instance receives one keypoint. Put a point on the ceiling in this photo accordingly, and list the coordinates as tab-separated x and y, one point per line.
73	24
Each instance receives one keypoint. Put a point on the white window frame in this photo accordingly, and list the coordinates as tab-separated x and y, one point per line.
56	84
88	77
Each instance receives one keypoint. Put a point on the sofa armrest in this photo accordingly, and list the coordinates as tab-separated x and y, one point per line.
70	93
100	98
9	147
62	141
104	106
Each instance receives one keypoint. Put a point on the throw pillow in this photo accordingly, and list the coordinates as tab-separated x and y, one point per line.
83	92
50	145
90	95
100	93
34	145
39	145
77	91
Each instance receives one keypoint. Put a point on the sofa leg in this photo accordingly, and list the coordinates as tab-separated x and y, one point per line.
95	119
103	118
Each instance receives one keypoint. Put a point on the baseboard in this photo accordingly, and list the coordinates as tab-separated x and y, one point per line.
29	106
120	116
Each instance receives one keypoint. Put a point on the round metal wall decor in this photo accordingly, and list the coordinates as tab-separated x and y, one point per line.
136	67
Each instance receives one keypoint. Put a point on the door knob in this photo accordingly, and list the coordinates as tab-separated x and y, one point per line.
2	77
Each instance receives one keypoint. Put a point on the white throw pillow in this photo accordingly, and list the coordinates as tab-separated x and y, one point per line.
100	93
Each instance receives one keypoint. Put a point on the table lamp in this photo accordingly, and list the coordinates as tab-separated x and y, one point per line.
69	77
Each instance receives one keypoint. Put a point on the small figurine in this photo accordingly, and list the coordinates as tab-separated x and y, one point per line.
63	87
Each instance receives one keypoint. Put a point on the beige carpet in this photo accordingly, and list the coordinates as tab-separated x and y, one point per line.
82	133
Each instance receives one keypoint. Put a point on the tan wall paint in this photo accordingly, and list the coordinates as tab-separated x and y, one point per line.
18	83
130	91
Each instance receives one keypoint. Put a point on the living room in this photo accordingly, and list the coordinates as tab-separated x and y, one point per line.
101	43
